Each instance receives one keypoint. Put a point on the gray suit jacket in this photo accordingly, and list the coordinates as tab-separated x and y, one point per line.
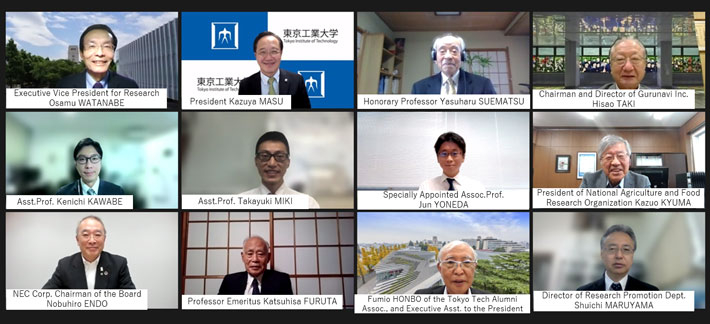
598	179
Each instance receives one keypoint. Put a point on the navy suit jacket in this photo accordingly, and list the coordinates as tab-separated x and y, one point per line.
469	83
70	273
272	283
105	188
78	80
438	290
598	179
289	84
632	284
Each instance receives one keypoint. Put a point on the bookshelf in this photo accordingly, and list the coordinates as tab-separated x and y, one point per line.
380	64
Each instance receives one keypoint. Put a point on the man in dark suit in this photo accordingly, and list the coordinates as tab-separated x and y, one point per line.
87	161
92	267
97	46
448	51
618	245
256	280
615	156
457	266
272	80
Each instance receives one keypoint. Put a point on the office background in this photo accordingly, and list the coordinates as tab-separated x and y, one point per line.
679	137
670	253
396	149
36	241
140	152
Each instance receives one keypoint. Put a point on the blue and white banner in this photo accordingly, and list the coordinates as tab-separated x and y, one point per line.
218	52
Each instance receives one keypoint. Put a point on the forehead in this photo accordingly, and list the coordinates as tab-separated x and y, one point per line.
628	46
616	148
272	146
90	224
255	244
448	41
87	151
449	146
458	252
98	35
267	42
618	238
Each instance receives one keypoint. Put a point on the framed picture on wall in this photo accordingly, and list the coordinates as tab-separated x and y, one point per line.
586	162
562	163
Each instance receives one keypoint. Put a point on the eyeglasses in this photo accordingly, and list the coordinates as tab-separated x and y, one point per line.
94	159
635	60
453	51
453	154
97	235
93	47
625	250
265	156
619	156
265	53
453	264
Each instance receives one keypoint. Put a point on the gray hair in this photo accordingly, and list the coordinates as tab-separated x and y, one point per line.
619	228
610	140
438	39
453	244
90	217
625	38
258	237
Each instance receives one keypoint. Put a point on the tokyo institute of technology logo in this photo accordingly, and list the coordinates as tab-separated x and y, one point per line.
315	83
225	35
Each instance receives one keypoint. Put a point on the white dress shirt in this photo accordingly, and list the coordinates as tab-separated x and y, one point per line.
445	79
460	183
250	281
265	82
608	281
90	270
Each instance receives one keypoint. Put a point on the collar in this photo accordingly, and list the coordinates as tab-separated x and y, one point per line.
265	79
616	86
85	187
280	191
621	183
88	264
445	77
468	291
608	281
90	80
457	178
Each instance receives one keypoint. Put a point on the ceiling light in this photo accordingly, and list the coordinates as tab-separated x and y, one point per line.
447	13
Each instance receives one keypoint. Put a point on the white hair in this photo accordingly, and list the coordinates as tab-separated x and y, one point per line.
438	41
454	244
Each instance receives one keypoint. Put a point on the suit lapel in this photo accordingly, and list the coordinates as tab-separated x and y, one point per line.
435	87
80	273
103	271
284	83
242	283
629	181
463	83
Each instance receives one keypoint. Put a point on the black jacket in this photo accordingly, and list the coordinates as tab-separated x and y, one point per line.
272	283
289	84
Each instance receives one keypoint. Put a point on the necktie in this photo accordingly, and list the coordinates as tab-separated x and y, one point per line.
616	286
255	287
610	186
98	85
271	86
91	192
451	183
450	87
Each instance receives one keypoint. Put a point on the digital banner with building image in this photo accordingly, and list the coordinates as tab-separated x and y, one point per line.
218	51
443	262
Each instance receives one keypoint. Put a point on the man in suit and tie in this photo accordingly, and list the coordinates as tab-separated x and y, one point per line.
448	51
97	46
627	57
615	156
457	266
272	80
92	268
618	245
256	280
87	161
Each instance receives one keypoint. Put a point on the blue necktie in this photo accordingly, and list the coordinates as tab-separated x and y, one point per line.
616	286
255	287
91	192
451	183
98	85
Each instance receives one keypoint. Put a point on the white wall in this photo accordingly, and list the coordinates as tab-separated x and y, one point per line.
36	241
396	149
418	62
